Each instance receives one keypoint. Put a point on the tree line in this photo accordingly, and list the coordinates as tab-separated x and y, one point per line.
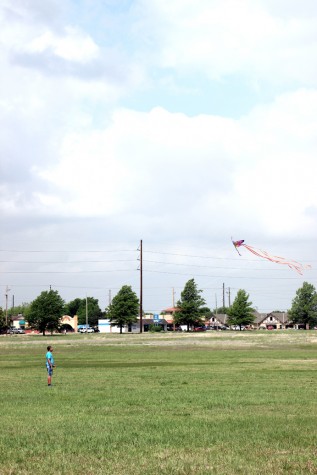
45	312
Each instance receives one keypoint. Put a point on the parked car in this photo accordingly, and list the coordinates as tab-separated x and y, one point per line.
171	329
86	330
200	329
15	330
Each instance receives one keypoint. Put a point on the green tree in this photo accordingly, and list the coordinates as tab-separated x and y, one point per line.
191	306
19	309
82	306
46	311
3	325
71	308
304	306
241	312
124	307
221	310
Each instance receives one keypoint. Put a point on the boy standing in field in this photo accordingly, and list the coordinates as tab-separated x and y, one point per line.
49	364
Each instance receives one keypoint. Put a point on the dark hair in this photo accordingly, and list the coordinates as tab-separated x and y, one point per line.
49	347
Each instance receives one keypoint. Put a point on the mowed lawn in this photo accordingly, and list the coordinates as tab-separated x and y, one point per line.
217	403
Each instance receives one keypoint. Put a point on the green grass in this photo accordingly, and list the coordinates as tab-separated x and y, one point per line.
217	403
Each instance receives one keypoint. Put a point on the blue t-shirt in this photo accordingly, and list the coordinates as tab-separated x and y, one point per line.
49	356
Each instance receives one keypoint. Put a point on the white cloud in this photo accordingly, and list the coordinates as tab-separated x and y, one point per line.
90	173
73	46
141	158
259	170
281	182
224	37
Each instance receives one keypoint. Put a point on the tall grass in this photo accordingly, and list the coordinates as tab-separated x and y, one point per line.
157	404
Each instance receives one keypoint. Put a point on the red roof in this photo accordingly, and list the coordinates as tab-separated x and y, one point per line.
171	309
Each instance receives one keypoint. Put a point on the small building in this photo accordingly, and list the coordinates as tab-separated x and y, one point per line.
18	321
168	315
105	326
68	323
148	323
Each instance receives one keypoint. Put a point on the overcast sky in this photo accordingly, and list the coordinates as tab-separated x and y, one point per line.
176	122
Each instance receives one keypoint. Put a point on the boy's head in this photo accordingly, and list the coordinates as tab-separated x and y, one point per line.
49	348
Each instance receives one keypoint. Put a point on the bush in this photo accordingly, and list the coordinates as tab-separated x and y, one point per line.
155	328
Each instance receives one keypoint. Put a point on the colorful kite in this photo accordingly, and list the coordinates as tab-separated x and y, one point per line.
279	260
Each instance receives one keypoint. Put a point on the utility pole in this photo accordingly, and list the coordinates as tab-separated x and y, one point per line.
110	300
216	304
223	296
141	286
86	312
173	306
6	295
228	292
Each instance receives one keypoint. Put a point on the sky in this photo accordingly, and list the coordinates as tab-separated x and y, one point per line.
180	124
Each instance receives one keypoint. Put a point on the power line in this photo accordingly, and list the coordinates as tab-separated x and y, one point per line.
80	251
132	250
56	286
71	271
207	257
68	262
221	276
201	257
211	267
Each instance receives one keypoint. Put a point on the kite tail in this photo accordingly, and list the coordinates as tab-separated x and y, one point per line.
278	260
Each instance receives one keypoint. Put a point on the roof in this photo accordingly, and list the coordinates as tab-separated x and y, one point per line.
17	318
150	321
220	317
171	309
259	317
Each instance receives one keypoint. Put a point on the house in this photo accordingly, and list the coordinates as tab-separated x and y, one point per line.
273	321
267	321
218	320
259	320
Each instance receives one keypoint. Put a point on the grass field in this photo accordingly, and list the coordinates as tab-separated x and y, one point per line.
212	403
